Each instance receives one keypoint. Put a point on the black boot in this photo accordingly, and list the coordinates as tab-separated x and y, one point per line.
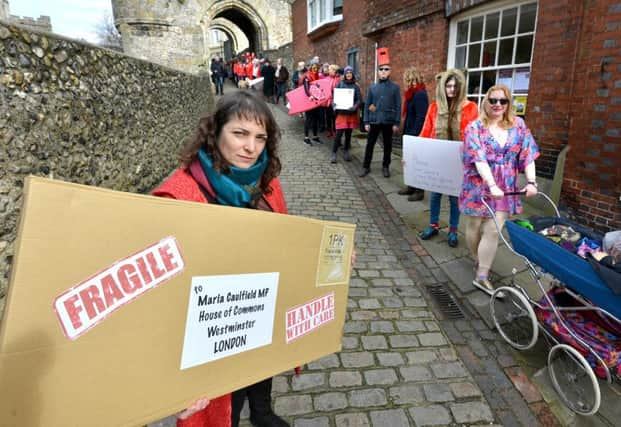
260	400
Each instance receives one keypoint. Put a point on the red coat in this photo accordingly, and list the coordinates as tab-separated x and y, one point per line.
182	186
469	113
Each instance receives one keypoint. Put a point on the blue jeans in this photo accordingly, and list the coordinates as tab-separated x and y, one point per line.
219	85
434	204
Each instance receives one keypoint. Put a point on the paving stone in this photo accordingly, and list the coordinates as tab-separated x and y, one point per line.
438	392
464	390
410	291
390	359
374	342
326	362
403	341
358	292
471	412
523	384
380	292
382	326
410	326
432	326
392	302
363	315
432	339
280	384
357	359
352	420
367	397
350	343
415	373
414	302
431	415
345	379
330	401
306	381
380	376
406	394
293	405
421	356
312	422
449	370
355	327
382	282
369	303
368	273
392	418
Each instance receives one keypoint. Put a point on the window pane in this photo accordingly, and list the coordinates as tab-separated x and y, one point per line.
462	32
489	54
523	49
528	13
489	80
338	7
474	54
476	30
491	25
505	52
474	99
509	18
460	57
505	77
474	83
322	10
313	13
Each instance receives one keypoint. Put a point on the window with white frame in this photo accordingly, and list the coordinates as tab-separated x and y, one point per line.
494	46
321	12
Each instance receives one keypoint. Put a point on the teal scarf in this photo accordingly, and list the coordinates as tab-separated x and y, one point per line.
239	186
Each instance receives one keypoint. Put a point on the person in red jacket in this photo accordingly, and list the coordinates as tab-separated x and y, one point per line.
447	118
232	161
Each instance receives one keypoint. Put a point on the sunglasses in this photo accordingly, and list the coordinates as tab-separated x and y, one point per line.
501	101
384	69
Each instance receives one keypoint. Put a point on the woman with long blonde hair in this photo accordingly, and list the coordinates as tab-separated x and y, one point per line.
497	147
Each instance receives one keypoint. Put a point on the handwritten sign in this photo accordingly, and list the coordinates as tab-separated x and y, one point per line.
307	317
343	98
227	315
433	164
91	301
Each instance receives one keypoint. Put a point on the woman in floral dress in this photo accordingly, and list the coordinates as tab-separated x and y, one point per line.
497	147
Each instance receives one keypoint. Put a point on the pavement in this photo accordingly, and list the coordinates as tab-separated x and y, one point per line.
419	347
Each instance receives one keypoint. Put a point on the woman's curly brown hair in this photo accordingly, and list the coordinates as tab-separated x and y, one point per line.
242	105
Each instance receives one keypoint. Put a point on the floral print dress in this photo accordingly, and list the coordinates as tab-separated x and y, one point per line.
505	163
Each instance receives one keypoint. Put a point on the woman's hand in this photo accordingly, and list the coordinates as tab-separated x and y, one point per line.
496	192
530	189
197	406
353	258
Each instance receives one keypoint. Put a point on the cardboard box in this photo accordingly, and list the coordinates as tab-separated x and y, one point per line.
123	308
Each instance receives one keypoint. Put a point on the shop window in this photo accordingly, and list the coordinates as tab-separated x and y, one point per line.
321	12
494	44
352	61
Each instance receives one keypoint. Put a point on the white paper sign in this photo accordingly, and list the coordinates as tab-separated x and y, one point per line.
343	98
433	164
228	315
255	81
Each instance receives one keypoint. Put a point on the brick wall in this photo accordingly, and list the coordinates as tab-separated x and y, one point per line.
575	99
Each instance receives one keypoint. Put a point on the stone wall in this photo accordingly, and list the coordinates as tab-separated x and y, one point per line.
78	113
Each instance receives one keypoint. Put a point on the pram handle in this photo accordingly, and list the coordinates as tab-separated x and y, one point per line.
515	193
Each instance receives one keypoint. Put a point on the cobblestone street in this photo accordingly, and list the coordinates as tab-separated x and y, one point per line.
401	364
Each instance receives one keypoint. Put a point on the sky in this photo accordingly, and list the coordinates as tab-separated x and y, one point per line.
71	18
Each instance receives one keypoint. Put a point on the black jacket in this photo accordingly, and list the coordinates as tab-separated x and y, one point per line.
345	84
386	97
416	110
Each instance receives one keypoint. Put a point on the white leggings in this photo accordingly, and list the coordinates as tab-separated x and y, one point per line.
482	240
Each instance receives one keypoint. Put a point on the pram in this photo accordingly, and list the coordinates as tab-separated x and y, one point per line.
579	314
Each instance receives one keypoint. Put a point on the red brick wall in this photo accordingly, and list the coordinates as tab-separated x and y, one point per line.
575	99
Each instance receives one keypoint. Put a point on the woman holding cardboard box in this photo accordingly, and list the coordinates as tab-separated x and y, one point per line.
232	161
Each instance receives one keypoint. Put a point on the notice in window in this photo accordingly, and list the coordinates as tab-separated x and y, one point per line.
521	81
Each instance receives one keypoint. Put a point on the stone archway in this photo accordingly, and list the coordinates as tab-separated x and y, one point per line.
246	18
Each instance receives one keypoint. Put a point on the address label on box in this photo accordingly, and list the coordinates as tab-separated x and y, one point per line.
337	244
227	315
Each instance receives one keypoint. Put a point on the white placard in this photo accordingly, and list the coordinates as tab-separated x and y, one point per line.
433	164
343	98
255	81
228	315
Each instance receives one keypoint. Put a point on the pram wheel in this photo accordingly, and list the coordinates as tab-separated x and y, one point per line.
574	380
514	318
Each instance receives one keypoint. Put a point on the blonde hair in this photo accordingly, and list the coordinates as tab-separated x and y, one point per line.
412	77
333	67
508	118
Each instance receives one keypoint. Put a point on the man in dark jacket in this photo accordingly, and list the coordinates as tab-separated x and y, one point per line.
218	74
282	76
382	114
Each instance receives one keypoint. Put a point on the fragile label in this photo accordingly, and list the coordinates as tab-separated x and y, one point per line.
337	244
227	315
307	317
91	301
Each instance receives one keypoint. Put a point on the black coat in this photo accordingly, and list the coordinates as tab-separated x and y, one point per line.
268	72
416	110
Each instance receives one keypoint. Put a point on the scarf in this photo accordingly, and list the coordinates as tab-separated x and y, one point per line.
408	95
239	186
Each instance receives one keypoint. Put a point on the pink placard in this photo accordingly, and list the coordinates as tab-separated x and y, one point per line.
321	91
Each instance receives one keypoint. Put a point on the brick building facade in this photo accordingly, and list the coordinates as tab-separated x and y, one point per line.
562	59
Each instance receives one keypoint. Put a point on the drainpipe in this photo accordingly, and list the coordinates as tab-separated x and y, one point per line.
375	72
